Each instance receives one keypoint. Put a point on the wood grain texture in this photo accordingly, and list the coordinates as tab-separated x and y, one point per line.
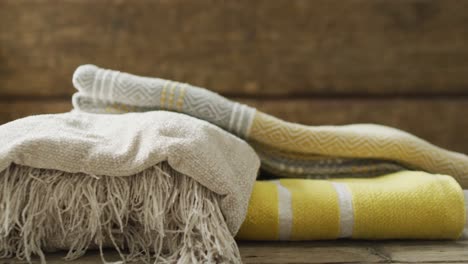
322	252
354	252
442	122
284	47
11	110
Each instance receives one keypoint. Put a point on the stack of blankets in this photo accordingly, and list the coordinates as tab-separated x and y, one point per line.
164	171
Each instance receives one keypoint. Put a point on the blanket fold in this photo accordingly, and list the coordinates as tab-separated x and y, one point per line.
156	184
403	205
122	145
108	91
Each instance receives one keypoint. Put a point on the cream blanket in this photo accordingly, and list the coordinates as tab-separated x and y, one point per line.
83	153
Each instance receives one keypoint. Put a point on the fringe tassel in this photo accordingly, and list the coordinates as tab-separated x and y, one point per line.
157	215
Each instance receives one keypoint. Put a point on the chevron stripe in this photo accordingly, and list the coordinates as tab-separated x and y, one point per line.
110	94
358	141
127	89
163	95
170	102
216	109
233	116
180	100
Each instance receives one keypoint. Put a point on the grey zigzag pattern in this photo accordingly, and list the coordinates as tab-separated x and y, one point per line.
115	87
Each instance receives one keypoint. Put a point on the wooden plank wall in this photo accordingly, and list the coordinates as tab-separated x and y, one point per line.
402	63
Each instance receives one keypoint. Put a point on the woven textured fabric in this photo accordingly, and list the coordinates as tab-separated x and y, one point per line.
310	166
403	205
107	91
123	145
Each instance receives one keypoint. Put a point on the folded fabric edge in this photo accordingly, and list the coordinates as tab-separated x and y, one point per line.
228	173
434	207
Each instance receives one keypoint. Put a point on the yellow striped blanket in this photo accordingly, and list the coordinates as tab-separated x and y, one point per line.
403	205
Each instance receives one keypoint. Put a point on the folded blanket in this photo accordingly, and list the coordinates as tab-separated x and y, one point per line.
403	205
107	91
155	184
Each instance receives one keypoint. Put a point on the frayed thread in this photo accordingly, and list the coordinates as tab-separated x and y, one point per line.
156	216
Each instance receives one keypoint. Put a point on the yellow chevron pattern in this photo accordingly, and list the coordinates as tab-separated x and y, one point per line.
357	141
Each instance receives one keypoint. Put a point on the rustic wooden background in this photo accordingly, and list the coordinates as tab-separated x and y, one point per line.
402	63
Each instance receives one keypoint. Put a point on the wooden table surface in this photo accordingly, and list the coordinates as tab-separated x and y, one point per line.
324	252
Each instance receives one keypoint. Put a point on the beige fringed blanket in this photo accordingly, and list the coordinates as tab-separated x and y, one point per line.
154	185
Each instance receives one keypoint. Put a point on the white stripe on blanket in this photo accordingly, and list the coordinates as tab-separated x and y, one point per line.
284	211
346	209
